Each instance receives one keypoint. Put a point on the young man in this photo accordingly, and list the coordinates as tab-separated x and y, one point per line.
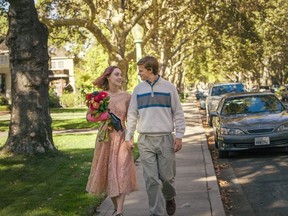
156	107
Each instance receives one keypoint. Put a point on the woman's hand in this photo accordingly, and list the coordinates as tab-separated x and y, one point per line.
102	117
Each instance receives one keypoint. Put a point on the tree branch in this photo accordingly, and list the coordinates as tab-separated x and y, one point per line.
81	23
92	9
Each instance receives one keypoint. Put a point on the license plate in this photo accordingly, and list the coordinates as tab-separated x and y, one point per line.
262	141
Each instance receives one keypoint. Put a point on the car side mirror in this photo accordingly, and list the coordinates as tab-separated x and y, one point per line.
213	113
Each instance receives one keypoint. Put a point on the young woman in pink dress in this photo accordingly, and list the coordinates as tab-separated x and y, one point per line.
113	170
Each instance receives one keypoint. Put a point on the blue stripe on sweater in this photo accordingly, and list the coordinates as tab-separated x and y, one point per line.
155	93
153	105
160	99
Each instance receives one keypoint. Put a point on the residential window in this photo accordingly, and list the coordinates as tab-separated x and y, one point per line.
60	64
57	65
3	59
53	64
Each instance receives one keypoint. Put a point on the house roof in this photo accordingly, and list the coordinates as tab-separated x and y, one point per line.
58	52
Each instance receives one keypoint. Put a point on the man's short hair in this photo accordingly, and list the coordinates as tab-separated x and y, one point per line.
150	63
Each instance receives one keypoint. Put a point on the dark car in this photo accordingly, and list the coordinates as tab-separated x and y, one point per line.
249	121
201	93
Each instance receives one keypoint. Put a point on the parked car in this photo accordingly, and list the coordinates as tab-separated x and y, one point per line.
200	93
215	92
249	120
202	100
274	88
284	93
264	88
261	88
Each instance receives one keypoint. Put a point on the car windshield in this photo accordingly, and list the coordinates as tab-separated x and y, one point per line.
251	104
224	89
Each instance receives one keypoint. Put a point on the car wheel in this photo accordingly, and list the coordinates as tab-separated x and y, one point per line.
223	154
216	143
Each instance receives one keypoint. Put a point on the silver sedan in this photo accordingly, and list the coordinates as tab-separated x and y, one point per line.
249	121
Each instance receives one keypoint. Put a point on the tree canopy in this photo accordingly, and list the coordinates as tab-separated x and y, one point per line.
194	40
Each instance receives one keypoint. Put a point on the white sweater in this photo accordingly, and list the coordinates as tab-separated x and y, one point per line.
158	108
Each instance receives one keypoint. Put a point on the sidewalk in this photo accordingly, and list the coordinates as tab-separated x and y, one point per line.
197	188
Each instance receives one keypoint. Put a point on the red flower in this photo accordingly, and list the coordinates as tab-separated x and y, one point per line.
103	94
97	98
98	102
88	96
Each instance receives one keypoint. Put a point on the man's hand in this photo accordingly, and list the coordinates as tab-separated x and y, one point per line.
177	144
130	144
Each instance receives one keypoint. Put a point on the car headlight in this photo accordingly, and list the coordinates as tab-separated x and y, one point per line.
229	131
283	127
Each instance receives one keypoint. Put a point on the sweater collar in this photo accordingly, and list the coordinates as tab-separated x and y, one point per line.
153	83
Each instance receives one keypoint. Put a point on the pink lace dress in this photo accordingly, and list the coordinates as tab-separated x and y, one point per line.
113	169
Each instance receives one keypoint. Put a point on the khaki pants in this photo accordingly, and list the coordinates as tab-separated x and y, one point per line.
159	169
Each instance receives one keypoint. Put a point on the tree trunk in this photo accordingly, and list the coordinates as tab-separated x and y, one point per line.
30	129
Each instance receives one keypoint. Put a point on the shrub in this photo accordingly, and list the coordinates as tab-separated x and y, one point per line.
71	100
54	100
5	107
3	100
183	96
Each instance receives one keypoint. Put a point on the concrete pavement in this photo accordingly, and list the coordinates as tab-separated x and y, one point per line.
198	192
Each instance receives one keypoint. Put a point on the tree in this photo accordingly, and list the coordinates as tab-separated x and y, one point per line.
30	126
272	26
3	20
110	22
222	40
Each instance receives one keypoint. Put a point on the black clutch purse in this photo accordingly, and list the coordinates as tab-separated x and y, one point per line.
115	121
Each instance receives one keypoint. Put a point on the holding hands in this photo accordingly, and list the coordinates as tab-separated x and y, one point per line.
130	144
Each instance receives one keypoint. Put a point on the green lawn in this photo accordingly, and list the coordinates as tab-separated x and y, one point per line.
50	185
61	119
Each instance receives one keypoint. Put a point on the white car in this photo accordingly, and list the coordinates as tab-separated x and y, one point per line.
215	93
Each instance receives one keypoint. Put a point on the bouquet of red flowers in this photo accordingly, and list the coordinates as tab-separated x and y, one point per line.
98	102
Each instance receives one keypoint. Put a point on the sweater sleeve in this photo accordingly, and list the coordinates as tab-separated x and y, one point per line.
132	117
178	115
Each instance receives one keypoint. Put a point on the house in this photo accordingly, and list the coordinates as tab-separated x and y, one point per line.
5	76
61	71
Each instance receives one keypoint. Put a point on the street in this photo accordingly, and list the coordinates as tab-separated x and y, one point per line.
257	182
253	182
